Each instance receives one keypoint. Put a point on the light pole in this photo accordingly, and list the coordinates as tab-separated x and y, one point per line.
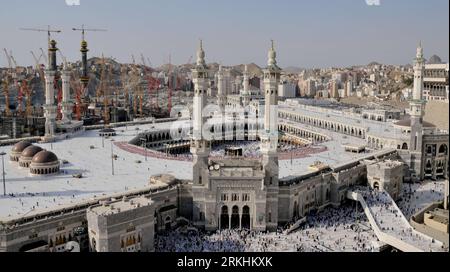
3	172
103	141
112	157
143	140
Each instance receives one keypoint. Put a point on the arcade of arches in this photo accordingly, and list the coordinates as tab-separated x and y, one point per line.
235	218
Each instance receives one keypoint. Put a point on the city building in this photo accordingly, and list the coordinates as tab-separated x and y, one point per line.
125	225
436	82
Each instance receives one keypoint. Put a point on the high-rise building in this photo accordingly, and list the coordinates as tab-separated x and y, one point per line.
436	83
334	89
287	90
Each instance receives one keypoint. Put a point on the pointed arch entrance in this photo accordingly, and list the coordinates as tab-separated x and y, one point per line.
224	218
245	219
235	217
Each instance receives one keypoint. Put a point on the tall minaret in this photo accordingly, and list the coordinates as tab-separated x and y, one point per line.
245	84
417	110
200	147
67	104
269	139
50	107
221	96
84	78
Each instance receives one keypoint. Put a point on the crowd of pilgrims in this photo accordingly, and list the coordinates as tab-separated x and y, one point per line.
391	220
335	229
417	196
345	228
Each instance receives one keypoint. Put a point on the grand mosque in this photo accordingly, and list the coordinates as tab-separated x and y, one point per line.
114	189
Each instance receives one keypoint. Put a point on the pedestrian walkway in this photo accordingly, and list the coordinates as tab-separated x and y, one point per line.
389	223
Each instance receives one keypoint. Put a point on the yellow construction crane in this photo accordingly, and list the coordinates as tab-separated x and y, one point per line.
28	106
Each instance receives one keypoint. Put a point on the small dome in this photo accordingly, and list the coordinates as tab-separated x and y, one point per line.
434	60
20	146
44	157
30	151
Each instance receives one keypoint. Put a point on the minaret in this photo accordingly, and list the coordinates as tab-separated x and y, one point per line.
84	70
269	139
417	110
50	107
84	78
221	97
200	147
67	105
245	84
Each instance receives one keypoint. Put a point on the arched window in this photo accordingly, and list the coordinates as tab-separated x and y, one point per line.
405	146
443	149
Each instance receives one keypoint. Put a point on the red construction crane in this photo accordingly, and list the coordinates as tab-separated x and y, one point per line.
153	85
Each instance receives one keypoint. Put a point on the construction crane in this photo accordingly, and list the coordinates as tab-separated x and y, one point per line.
153	85
124	84
6	83
84	30
15	78
76	86
84	78
44	55
102	90
149	63
36	60
27	91
169	87
148	78
40	71
58	87
63	58
48	30
135	84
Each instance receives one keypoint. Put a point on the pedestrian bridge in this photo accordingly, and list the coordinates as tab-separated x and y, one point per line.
389	223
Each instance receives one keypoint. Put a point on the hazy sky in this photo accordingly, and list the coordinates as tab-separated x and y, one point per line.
308	33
